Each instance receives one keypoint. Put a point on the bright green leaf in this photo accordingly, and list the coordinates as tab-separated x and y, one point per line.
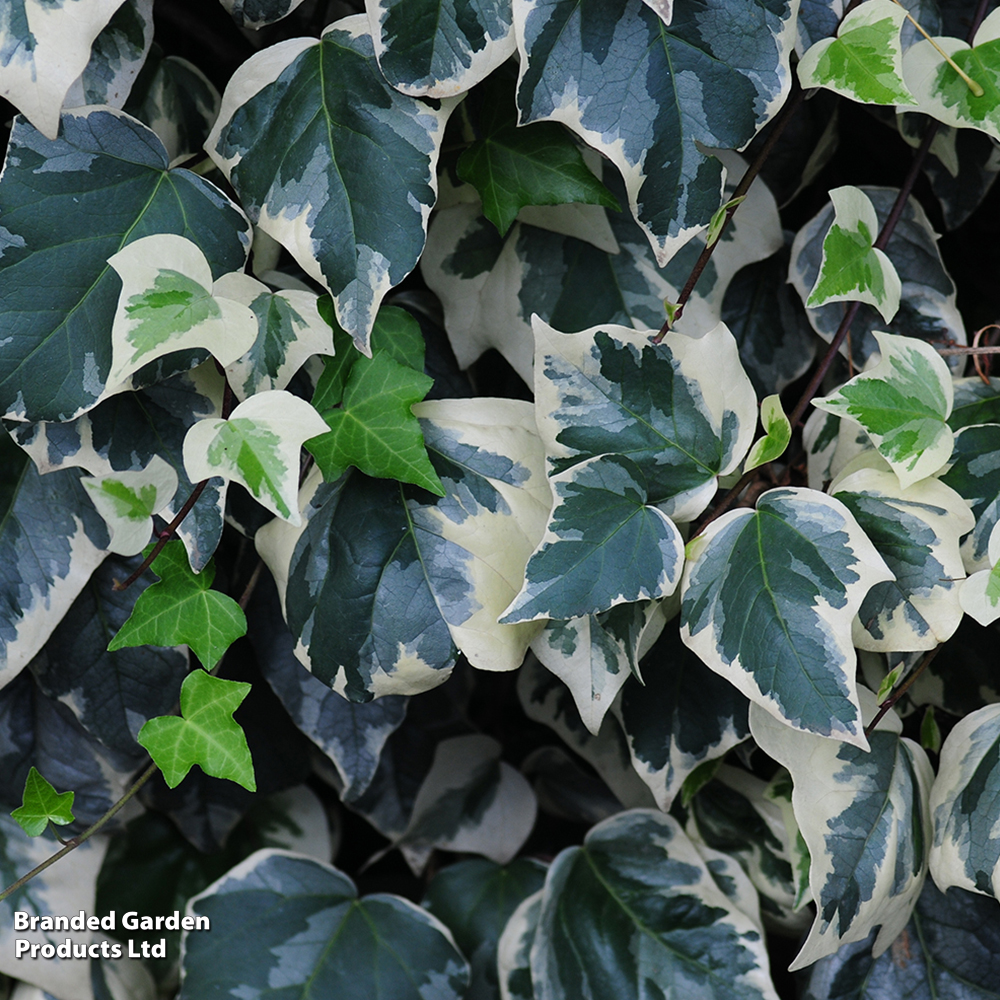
865	61
889	682
375	429
206	733
714	230
42	804
777	434
258	446
852	270
930	731
181	608
903	403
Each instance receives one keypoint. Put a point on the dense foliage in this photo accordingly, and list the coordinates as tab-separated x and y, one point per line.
525	453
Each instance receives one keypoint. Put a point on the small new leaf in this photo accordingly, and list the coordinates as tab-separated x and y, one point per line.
903	403
889	682
852	270
375	429
258	446
719	219
930	731
41	805
778	432
206	734
865	61
181	608
537	164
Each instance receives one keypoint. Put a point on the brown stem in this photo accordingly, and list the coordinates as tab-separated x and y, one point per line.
947	351
75	842
251	584
900	691
786	115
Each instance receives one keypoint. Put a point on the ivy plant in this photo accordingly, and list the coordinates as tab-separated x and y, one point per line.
500	500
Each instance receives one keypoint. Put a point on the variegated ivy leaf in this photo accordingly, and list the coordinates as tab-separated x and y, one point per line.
903	403
471	802
459	559
44	47
128	500
177	101
917	531
283	917
168	303
51	541
576	276
258	447
637	904
777	434
514	950
116	57
976	402
768	600
972	472
64	888
682	411
615	74
948	950
594	655
852	268
547	700
864	816
865	61
966	851
290	330
980	594
57	365
833	445
779	791
440	48
257	13
927	307
941	92
358	232
127	431
732	813
604	545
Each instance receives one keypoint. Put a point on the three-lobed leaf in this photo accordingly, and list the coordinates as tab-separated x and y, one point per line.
42	804
181	608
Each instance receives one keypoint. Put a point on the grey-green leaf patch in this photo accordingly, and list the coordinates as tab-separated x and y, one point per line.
865	61
42	805
604	545
168	304
116	57
594	655
283	917
637	904
682	717
514	950
768	601
917	531
927	306
777	434
440	48
852	268
975	402
358	232
57	366
177	101
682	411
65	888
617	75
973	471
980	593
963	805
258	447
864	816
941	92
128	500
51	541
903	403
460	559
258	13
44	47
470	802
290	330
